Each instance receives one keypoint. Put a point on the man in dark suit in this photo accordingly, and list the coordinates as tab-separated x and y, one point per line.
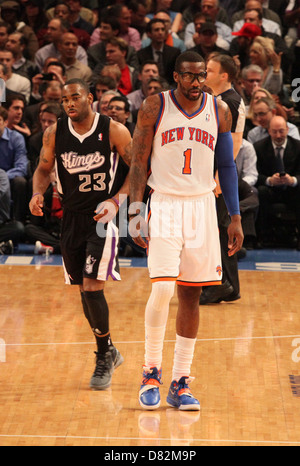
278	165
164	55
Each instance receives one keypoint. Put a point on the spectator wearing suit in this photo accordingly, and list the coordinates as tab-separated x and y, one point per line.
164	55
278	165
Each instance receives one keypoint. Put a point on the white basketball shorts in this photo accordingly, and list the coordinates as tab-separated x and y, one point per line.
184	243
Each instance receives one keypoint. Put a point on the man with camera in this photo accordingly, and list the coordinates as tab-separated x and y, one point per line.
53	71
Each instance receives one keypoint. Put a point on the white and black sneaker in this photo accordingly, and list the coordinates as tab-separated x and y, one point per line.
105	366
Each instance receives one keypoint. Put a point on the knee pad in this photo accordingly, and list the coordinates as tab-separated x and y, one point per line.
157	308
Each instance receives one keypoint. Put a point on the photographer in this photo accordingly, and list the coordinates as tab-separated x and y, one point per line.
53	71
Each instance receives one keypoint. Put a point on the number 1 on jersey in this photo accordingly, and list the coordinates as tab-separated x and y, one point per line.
187	162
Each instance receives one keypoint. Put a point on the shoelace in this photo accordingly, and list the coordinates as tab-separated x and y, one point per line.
183	385
102	365
151	374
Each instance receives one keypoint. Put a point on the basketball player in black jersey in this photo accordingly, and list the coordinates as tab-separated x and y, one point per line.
92	182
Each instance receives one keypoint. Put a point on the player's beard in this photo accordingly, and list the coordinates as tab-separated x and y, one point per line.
192	94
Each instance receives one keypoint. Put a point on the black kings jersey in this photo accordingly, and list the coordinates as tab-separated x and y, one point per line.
87	169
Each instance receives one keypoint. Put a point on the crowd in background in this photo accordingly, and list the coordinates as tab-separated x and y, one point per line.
126	51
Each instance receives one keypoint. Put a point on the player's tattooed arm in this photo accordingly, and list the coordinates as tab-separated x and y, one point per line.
41	177
47	154
142	146
225	117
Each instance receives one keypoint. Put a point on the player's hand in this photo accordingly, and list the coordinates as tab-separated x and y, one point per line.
235	235
138	230
106	211
36	205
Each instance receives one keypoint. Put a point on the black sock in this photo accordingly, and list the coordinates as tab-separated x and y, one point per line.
99	319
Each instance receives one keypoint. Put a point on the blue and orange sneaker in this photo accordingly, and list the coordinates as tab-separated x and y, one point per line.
149	396
180	396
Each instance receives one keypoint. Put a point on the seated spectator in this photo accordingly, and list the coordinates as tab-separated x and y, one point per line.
49	113
147	71
156	85
270	20
278	165
175	16
75	18
191	34
11	231
252	28
50	92
15	106
138	11
15	82
73	67
53	71
109	28
118	109
262	54
13	160
104	101
241	44
246	163
116	51
88	10
127	33
259	93
16	43
207	41
5	30
103	84
172	38
55	31
11	13
62	11
251	78
263	111
164	55
44	231
34	15
209	8
249	202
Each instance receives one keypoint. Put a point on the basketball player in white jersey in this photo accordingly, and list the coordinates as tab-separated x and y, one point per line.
180	132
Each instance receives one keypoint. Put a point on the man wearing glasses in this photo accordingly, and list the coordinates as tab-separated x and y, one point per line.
180	132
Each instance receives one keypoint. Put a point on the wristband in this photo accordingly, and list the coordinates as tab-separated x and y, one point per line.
36	194
116	201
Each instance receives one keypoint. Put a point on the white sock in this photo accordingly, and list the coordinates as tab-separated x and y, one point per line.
156	317
183	357
154	346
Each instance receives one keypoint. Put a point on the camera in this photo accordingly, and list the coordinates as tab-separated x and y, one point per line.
48	76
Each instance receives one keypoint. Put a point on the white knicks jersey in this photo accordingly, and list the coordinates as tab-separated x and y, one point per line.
182	158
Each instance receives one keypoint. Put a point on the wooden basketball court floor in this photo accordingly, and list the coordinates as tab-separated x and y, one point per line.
246	366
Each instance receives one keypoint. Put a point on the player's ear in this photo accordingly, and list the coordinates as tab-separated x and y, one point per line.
175	76
90	98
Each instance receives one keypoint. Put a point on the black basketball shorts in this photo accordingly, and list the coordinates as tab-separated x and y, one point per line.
85	252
